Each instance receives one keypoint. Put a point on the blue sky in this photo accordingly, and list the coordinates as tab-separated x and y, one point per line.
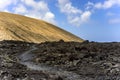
94	20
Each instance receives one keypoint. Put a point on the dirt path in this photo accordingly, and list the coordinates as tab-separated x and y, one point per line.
27	56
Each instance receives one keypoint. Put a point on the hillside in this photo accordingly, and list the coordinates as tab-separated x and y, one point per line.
17	27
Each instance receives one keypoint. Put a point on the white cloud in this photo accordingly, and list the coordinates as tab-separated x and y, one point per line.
78	20
75	16
85	16
107	4
98	5
41	5
89	5
30	2
39	10
49	17
114	21
20	9
103	5
5	3
67	8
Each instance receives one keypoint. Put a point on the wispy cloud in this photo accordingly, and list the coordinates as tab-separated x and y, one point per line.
20	9
114	21
89	5
113	14
75	16
104	5
107	4
110	14
66	7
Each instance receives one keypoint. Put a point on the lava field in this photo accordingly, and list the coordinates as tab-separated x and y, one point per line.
59	60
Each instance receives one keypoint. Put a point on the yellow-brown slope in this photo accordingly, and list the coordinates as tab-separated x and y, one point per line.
17	27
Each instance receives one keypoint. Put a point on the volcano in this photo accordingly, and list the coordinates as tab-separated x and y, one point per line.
21	28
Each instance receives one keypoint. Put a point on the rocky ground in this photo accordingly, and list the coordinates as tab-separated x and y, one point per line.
59	61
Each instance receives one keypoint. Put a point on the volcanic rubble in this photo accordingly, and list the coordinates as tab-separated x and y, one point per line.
88	60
